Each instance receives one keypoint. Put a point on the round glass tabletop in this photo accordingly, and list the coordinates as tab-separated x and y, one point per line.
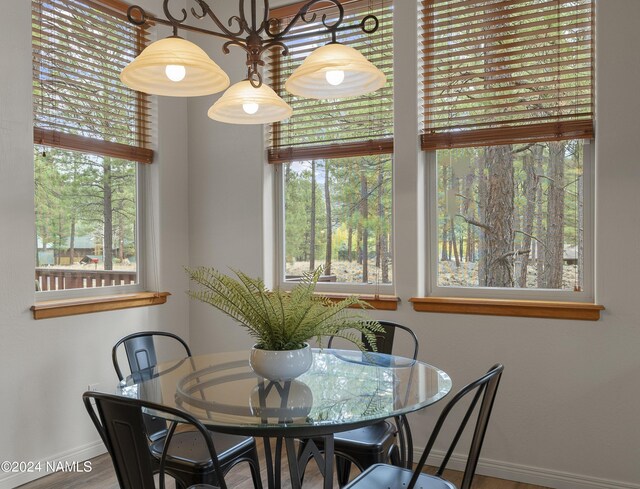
343	389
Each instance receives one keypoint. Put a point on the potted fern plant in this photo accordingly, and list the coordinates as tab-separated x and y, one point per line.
282	322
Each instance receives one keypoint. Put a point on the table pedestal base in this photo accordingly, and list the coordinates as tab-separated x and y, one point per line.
298	459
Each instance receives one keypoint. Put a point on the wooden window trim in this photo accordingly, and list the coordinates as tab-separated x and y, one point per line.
72	307
515	308
84	144
544	132
338	150
376	301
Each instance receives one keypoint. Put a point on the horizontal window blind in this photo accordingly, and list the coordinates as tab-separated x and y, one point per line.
501	72
79	103
354	126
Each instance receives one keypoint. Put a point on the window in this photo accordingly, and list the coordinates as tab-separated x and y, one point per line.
90	133
508	106
334	166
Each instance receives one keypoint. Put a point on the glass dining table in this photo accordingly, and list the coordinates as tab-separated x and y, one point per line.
343	390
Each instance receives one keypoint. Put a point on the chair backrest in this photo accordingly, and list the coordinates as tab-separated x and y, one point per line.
141	351
385	339
384	344
119	420
484	389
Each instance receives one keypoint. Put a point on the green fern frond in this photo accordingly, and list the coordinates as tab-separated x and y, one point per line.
281	320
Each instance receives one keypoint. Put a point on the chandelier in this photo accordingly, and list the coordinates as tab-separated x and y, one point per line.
176	67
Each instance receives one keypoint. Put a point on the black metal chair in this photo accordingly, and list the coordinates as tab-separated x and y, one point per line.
391	477
187	455
141	352
383	441
120	422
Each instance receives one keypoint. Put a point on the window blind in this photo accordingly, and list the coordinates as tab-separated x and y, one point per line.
354	126
501	72
79	103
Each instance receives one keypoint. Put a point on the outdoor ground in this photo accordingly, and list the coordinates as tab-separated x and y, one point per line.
449	275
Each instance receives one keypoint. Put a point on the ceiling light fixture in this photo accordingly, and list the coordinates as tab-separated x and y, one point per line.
177	67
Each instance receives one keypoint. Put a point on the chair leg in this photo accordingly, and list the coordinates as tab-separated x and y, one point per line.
254	466
343	469
394	456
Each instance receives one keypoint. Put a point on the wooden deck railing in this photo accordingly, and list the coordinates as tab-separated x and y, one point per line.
64	278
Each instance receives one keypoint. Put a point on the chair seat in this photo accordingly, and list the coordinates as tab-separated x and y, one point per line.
189	448
375	437
392	477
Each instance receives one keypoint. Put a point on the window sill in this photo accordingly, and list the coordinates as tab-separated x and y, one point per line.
378	302
71	307
516	308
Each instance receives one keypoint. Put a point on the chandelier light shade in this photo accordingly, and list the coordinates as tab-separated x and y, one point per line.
243	103
174	67
178	68
335	71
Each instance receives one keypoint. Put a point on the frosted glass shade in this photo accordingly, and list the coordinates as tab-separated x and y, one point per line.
310	78
237	105
148	72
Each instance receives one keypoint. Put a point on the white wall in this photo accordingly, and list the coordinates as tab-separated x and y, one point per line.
566	414
226	171
46	365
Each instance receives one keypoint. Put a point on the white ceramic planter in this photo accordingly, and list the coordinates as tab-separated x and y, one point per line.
281	365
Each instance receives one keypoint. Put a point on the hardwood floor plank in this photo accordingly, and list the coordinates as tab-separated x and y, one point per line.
102	476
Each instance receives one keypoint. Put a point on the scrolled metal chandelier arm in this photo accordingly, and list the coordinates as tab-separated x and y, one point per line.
168	15
207	12
138	16
301	15
265	17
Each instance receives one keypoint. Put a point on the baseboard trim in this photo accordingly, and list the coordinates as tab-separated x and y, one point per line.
80	454
530	475
494	468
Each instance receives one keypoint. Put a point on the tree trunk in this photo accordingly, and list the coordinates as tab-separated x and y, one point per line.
312	224
555	217
452	210
379	227
384	249
72	239
382	232
359	243
107	209
540	230
530	187
482	233
327	204
364	215
470	244
454	243
499	216
350	243
444	254
579	231
469	209
59	233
